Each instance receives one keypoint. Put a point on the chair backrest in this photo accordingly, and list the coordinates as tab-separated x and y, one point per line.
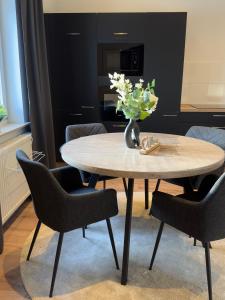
213	212
80	130
213	135
47	194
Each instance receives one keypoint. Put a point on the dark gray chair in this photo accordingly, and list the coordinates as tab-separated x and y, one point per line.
198	195
62	203
213	135
80	130
204	220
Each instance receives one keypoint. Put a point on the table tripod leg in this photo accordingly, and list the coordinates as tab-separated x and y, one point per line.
126	247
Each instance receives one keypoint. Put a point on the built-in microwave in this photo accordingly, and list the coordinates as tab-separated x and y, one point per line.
127	59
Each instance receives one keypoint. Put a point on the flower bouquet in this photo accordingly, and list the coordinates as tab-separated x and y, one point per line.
136	102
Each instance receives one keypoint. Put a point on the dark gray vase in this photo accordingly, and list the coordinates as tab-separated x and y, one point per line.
131	134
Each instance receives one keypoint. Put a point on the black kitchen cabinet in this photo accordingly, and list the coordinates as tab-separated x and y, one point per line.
72	45
211	119
218	119
163	37
121	27
164	57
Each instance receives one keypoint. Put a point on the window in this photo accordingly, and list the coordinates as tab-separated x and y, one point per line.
1	93
10	79
1	76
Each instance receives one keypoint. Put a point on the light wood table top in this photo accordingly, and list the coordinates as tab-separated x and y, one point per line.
178	156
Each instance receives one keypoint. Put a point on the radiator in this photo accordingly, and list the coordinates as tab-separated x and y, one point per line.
13	186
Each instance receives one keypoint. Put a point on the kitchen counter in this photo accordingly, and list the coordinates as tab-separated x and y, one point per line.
202	108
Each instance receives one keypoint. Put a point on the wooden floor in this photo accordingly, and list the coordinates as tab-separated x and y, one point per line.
19	227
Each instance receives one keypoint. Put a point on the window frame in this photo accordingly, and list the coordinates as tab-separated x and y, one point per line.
2	81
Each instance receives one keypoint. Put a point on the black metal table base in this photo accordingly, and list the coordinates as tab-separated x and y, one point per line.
126	247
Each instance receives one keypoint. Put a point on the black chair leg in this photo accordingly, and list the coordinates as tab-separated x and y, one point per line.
34	239
208	269
146	194
156	190
195	241
58	251
187	186
210	246
93	180
112	242
83	232
125	185
156	244
157	185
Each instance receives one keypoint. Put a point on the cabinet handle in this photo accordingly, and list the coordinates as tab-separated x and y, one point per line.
73	33
118	125
120	33
75	114
169	115
87	106
219	116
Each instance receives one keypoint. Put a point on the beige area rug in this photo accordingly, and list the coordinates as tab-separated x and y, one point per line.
87	270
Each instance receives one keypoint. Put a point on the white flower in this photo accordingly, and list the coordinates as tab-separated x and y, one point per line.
138	85
110	76
141	80
116	75
122	77
153	98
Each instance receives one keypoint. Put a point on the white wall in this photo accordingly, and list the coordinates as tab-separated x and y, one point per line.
204	70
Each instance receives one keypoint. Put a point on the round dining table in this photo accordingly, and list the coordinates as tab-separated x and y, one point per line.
107	154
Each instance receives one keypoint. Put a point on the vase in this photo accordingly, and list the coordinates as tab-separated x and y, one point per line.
131	134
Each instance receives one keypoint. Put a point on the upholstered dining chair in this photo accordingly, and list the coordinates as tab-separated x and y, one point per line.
198	195
62	203
204	220
213	135
80	130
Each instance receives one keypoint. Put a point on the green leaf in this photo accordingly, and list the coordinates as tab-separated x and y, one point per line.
3	111
146	96
150	105
152	91
153	84
144	115
137	93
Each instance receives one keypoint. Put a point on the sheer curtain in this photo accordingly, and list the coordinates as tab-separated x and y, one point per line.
34	73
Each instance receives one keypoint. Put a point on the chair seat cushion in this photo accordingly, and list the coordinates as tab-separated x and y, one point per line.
193	196
86	176
82	191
